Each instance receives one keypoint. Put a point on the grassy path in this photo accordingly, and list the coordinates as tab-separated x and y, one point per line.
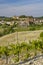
24	36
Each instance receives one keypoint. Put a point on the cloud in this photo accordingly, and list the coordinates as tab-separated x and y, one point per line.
29	9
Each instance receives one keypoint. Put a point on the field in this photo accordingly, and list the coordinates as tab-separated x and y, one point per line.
23	36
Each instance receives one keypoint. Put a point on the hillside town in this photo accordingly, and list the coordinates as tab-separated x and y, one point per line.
22	20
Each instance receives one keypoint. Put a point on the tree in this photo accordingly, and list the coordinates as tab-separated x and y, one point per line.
22	16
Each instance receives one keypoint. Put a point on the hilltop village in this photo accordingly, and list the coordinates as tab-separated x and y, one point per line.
21	20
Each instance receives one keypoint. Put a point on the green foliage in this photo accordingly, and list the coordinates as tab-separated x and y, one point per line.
6	51
1	51
32	28
22	16
41	34
1	34
7	29
8	19
21	51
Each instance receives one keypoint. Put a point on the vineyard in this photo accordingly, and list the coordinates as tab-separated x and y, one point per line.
15	53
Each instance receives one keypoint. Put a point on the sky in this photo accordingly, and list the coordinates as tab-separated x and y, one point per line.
21	7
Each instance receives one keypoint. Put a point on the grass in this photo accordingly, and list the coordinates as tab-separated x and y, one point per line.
29	28
23	36
5	29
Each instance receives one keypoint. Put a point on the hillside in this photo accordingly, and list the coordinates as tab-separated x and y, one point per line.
22	36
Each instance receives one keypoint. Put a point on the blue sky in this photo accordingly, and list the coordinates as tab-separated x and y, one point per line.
21	7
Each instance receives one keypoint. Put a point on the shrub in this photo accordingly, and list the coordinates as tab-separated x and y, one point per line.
32	28
41	34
